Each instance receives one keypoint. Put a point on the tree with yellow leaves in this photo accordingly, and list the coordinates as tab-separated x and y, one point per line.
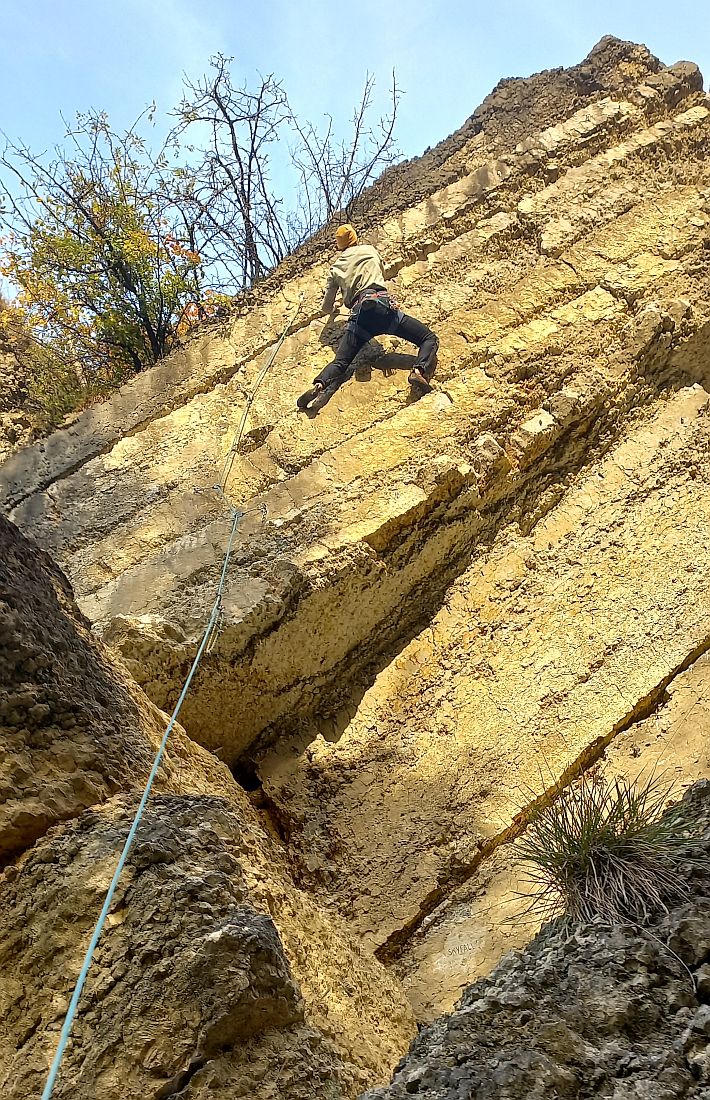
93	246
114	252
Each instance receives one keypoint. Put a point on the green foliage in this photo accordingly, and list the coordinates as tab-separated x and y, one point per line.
608	849
103	281
55	389
333	1091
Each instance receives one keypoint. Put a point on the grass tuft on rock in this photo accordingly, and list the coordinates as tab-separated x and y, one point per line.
608	849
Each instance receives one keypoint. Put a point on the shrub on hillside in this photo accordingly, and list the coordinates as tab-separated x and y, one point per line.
37	383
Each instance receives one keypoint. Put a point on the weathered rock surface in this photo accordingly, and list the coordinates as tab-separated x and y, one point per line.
517	108
375	505
75	728
214	970
548	646
601	1013
450	608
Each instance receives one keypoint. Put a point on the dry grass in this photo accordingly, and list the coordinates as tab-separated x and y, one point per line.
610	850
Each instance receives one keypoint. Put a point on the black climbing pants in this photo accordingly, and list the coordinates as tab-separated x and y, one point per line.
379	318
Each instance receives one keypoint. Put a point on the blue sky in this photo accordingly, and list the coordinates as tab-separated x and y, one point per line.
66	55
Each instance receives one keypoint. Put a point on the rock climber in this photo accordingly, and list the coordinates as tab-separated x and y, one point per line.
357	274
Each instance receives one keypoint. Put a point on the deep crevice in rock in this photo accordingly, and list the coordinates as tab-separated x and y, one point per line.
392	948
177	1084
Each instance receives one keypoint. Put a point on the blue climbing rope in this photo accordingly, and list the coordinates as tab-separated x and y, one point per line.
204	644
229	457
71	1011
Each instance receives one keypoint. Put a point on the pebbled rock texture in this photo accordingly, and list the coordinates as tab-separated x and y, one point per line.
74	728
596	1012
214	970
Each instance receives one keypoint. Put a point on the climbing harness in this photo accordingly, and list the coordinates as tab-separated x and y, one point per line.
374	299
369	295
206	645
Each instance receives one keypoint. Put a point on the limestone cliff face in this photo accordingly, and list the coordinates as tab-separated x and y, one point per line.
566	280
450	605
214	968
622	1014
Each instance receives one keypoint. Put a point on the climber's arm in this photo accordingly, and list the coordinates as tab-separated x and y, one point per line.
328	303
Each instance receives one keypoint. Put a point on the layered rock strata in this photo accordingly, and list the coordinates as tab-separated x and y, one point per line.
561	303
214	971
547	648
439	612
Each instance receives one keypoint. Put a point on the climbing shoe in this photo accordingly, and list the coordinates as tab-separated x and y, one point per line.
419	380
310	395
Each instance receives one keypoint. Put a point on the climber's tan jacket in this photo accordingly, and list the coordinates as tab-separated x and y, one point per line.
355	268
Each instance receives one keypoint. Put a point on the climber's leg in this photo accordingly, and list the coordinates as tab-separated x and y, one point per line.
353	339
409	328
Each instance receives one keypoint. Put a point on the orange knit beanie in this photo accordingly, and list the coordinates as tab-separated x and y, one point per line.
345	236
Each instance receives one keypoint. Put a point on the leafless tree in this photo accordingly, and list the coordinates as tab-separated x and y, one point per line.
246	226
334	173
226	194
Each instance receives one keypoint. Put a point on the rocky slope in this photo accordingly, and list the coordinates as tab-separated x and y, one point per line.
18	425
214	969
15	426
619	1013
439	611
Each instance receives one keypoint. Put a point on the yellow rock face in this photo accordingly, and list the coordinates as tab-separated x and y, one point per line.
439	610
212	961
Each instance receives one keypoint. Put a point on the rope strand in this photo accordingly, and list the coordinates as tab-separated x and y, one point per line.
205	643
229	457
